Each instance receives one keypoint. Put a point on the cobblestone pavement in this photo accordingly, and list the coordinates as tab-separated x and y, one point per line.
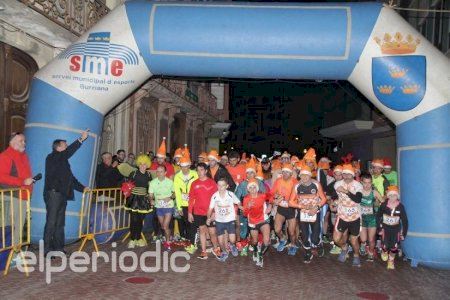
283	277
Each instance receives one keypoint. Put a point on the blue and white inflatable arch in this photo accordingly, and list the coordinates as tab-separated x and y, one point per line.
368	44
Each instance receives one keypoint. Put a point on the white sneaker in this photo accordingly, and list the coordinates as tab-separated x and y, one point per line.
131	244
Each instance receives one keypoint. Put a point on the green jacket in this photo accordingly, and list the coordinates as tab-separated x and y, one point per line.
182	187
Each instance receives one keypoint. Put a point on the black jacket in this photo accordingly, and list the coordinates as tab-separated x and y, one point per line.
58	175
107	177
222	172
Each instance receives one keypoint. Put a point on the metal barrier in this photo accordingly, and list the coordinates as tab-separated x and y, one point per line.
103	216
14	214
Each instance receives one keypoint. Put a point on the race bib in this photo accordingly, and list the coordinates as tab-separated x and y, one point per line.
223	211
164	204
366	210
349	210
305	217
185	197
391	220
284	203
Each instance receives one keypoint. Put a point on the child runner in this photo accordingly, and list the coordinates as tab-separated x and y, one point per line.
393	224
256	208
370	200
222	203
138	203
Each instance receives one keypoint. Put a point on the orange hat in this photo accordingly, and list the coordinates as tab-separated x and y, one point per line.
310	155
337	168
162	149
253	182
378	162
259	172
186	150
294	159
203	155
243	158
287	167
251	165
185	160
324	163
214	155
276	165
392	190
348	169
178	153
285	154
306	170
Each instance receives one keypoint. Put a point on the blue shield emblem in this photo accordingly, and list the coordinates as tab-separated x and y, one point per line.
399	82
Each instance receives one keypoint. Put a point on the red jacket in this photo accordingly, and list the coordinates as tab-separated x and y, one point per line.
22	166
200	196
255	208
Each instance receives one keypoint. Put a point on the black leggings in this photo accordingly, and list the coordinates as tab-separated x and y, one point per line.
136	223
315	233
187	229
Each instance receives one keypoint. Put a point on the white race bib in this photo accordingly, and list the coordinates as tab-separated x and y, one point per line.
185	196
349	210
305	217
366	210
391	220
223	211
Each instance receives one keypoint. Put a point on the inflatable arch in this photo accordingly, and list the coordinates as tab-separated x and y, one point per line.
371	46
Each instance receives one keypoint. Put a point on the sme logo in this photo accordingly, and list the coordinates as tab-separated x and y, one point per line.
99	56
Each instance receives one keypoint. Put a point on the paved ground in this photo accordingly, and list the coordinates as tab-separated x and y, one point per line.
282	277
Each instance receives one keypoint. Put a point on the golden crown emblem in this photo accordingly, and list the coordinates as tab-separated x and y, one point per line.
397	72
386	89
396	44
410	89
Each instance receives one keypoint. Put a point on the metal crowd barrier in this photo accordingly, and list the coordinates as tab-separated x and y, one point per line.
103	217
14	215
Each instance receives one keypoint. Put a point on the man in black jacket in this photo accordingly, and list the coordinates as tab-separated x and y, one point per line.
107	175
59	187
216	171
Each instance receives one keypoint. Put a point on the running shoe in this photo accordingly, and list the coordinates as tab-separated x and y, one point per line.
292	250
370	257
384	256
190	249
307	257
131	244
275	245
335	250
166	246
203	255
141	243
223	257
325	239
350	249
320	251
255	256
217	252
281	245
343	255
234	251
362	250
244	251
260	261
356	262
390	265
251	248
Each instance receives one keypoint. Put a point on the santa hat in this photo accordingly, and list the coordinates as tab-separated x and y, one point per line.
387	163
310	155
185	160
285	154
162	149
186	150
337	168
178	153
259	172
392	190
348	169
287	167
324	163
253	182
214	155
306	170
378	162
251	165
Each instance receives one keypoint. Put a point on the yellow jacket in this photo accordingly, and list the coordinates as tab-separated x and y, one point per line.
182	188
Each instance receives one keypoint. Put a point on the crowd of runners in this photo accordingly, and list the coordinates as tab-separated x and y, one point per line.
233	205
